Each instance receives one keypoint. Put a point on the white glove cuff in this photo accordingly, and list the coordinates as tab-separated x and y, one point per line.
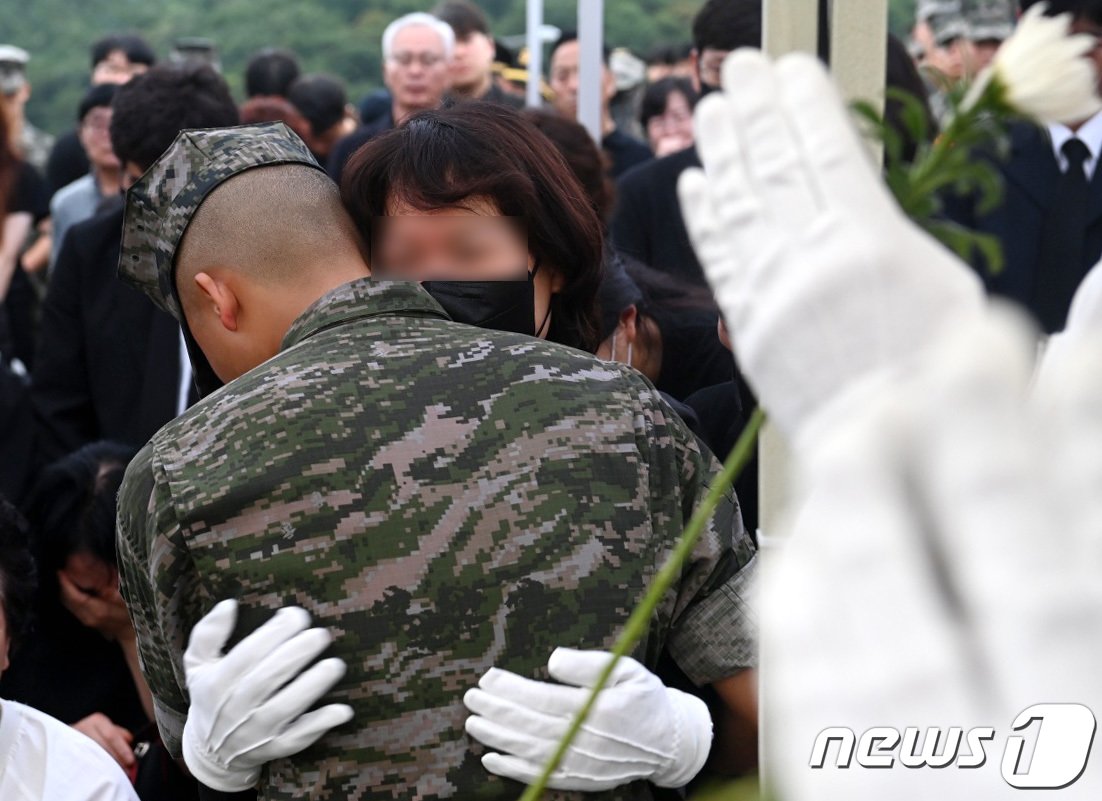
692	739
207	770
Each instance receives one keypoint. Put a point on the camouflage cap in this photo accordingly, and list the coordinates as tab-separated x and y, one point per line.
945	18
990	20
160	205
13	68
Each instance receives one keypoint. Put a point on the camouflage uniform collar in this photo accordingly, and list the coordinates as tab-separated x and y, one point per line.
364	297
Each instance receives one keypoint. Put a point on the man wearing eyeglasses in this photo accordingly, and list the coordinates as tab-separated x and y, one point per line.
417	55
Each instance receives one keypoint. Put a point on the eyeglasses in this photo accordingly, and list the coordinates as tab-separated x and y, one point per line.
427	60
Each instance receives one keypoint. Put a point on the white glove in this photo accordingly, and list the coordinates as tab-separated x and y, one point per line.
822	280
637	729
247	706
936	576
1084	324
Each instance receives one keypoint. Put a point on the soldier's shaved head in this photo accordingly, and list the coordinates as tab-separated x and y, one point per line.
279	224
261	248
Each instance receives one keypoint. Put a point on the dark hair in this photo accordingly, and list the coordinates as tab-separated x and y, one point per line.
902	74
96	97
271	71
321	99
438	159
269	108
652	292
669	54
1079	9
727	25
657	95
136	48
72	505
587	161
154	107
464	17
17	573
572	36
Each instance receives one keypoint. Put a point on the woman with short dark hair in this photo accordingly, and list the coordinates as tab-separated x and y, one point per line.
475	192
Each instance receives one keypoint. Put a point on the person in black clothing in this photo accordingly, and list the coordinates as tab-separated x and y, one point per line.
321	99
16	433
81	664
624	151
24	203
417	53
472	74
647	224
109	363
271	71
115	59
663	327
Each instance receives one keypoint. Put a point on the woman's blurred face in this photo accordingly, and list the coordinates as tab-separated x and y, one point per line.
472	242
672	130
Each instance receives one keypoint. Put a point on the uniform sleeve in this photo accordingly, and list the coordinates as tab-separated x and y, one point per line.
158	583
713	631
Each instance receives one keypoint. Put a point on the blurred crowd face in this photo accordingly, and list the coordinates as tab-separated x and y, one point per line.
471	242
682	69
564	80
672	130
955	60
417	71
472	62
1094	30
983	52
708	69
116	68
95	136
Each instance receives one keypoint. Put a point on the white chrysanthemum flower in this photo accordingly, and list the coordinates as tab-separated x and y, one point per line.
1042	71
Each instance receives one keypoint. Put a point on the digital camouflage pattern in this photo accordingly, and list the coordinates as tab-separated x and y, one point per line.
444	499
161	203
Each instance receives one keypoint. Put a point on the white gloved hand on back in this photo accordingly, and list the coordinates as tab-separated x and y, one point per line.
638	728
822	280
248	706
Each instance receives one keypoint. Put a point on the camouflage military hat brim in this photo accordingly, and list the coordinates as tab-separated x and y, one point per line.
160	205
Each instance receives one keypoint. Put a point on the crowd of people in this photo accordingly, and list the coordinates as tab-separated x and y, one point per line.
442	370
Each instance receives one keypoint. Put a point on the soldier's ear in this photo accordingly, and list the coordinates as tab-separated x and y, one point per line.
217	298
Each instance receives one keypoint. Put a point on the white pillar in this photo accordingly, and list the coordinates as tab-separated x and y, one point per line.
591	37
535	53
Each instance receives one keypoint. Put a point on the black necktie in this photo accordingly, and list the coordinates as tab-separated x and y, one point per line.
1060	267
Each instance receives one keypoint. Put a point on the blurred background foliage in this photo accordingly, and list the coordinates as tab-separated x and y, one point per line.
335	36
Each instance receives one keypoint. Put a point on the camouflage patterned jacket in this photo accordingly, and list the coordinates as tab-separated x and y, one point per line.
444	499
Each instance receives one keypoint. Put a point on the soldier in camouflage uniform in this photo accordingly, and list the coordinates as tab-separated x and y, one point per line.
443	498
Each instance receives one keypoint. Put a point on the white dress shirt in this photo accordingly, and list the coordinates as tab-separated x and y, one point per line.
42	759
1089	133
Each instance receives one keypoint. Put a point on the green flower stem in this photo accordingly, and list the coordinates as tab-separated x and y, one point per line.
641	616
929	174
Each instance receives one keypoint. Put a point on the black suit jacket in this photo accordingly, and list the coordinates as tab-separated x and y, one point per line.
1030	177
108	363
647	223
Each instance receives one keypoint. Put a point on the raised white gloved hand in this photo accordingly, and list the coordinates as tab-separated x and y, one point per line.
938	575
248	706
638	728
822	280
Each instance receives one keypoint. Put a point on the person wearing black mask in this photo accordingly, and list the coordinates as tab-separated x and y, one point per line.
647	224
476	202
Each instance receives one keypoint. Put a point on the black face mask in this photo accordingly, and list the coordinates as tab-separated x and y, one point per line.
496	305
708	88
